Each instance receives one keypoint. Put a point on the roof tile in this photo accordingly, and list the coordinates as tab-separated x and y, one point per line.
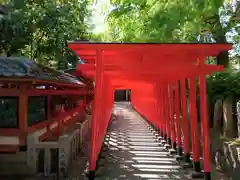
25	68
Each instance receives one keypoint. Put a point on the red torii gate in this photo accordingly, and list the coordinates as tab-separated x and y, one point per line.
156	74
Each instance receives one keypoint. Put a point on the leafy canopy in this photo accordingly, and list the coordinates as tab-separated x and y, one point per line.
40	29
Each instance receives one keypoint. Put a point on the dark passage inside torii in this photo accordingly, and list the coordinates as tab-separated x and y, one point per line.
157	75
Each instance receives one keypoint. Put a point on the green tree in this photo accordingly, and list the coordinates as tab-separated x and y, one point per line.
172	21
15	29
40	29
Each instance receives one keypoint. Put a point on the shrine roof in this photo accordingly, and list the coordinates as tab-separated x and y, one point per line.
150	60
21	68
142	44
87	50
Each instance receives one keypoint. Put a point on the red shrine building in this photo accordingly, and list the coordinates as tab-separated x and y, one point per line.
36	98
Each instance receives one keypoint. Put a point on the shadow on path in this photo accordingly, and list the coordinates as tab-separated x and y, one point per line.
134	151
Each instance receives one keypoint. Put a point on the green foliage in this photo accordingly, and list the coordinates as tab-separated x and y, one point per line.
223	85
161	21
97	37
177	21
40	29
181	21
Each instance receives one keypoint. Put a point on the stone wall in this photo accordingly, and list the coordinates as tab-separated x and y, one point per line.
66	149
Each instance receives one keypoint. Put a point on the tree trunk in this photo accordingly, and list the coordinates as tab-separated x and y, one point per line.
218	109
228	124
238	118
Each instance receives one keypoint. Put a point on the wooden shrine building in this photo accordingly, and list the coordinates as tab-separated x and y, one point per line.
33	98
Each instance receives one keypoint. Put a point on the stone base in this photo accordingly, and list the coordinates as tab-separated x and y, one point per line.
104	147
156	134
197	175
160	138
180	151
183	157
91	175
163	142
207	175
172	151
165	137
101	163
197	166
169	141
174	145
167	146
179	158
99	172
187	158
187	165
102	155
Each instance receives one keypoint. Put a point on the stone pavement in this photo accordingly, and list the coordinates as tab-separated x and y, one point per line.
133	153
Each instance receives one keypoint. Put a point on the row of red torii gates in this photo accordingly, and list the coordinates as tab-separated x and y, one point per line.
156	75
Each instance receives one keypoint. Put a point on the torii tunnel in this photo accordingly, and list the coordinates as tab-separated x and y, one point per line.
158	75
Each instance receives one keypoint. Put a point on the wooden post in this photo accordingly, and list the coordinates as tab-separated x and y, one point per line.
205	128
23	112
96	117
49	105
49	108
194	124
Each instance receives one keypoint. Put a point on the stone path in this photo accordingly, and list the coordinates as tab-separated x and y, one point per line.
134	153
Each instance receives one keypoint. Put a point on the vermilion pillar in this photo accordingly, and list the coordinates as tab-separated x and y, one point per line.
95	116
163	116
168	128
161	111
172	119
164	108
178	125
185	123
194	125
204	124
158	103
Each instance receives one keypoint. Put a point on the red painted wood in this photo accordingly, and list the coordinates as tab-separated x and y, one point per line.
148	70
177	110
193	119
185	122
172	120
9	148
37	92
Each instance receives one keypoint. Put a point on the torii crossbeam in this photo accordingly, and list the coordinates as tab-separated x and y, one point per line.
156	74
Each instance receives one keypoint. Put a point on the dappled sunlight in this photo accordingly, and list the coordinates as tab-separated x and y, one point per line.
156	170
156	166
165	159
134	151
149	153
145	143
146	147
152	176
